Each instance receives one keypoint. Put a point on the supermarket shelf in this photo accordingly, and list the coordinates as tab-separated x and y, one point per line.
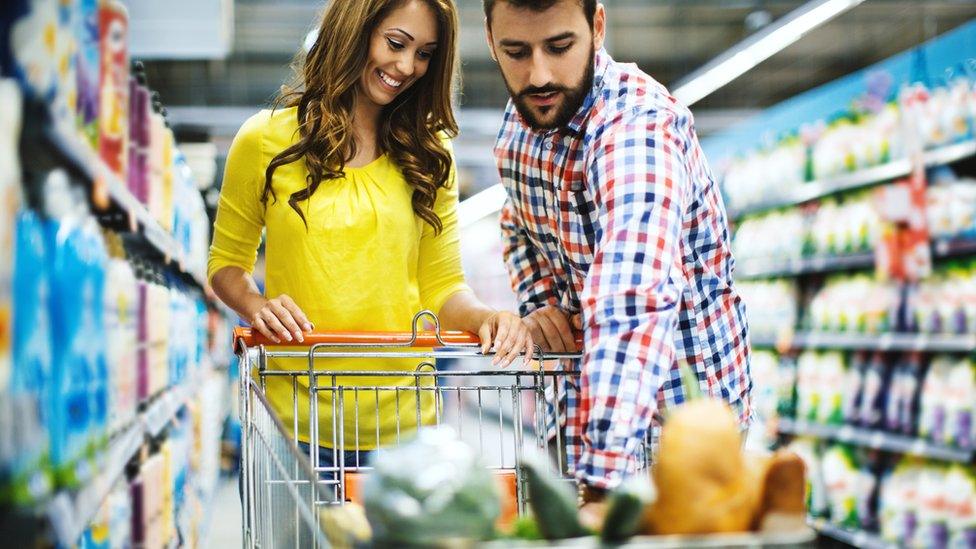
795	267
805	192
935	343
84	158
878	440
856	538
69	513
942	248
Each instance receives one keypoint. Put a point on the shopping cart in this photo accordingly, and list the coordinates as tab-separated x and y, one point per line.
504	414
500	412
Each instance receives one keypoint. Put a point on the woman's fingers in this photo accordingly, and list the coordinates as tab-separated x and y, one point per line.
275	325
286	319
262	327
296	312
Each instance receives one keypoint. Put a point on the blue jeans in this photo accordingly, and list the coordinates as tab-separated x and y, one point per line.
348	459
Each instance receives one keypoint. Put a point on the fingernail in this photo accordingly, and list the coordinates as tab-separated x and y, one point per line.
308	327
288	337
298	336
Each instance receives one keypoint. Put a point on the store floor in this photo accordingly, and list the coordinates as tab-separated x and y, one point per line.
225	528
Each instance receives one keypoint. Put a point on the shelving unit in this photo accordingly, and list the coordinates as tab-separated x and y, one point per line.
69	512
876	439
813	190
942	248
932	343
81	155
856	538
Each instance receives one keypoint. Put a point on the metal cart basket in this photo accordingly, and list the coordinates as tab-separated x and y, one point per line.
286	478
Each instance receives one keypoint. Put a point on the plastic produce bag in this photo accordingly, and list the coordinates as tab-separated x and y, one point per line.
431	490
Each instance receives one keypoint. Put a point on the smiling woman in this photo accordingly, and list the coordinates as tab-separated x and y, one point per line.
354	183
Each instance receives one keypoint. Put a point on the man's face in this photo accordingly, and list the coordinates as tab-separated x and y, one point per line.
546	58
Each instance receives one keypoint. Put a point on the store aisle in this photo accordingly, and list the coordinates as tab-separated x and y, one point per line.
225	526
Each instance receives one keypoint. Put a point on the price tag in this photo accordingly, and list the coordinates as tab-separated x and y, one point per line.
877	440
885	342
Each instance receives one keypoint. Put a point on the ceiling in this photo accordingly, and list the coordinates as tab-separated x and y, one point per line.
666	38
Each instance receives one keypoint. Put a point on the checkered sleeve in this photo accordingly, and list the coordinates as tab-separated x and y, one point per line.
528	268
631	296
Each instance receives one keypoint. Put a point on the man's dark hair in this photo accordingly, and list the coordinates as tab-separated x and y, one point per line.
589	7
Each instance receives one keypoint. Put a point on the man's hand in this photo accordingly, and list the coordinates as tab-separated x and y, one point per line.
553	329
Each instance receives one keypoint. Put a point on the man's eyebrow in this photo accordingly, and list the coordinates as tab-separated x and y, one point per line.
509	43
561	36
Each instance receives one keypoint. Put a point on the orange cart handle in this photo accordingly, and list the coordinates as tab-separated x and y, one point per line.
425	339
252	338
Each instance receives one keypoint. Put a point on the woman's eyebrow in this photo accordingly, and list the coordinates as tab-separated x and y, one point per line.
403	32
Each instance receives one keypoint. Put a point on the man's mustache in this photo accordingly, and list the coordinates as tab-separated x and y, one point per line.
534	90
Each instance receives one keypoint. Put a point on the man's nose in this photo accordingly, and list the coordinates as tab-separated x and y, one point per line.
540	74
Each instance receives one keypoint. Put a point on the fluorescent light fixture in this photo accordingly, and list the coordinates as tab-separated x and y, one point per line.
755	49
481	205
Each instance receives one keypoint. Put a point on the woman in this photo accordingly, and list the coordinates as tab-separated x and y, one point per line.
355	186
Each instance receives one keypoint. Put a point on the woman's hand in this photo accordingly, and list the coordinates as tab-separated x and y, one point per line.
508	336
280	319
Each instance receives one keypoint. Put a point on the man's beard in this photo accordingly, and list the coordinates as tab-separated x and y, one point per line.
572	99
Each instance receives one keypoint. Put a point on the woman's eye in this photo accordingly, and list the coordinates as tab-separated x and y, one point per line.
394	44
425	55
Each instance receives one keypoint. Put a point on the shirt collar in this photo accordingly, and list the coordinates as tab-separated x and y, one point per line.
600	63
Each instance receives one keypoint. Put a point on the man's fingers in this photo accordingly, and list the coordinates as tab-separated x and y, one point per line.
564	329
551	333
536	331
285	318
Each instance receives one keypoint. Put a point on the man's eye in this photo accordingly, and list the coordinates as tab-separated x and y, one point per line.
558	50
516	54
394	45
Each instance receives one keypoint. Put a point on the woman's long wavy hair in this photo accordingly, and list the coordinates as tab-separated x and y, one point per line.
412	126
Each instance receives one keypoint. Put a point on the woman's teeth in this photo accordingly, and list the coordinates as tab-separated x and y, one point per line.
389	81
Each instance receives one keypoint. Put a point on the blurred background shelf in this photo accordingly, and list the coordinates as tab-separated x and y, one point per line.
856	538
812	190
870	342
876	439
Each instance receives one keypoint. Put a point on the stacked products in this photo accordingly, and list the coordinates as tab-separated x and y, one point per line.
73	56
867	137
933	398
908	501
852	224
165	497
771	305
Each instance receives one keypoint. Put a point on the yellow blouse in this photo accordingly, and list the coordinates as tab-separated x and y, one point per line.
365	263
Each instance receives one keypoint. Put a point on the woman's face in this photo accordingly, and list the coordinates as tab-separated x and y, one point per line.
400	52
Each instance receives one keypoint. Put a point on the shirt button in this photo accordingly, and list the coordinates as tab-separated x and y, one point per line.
548	145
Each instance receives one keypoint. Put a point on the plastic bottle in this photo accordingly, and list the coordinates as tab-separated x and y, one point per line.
93	329
932	402
113	127
89	67
31	378
68	398
875	392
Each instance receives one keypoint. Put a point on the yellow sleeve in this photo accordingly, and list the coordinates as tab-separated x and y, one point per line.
440	274
240	213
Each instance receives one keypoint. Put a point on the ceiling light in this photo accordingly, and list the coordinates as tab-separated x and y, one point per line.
755	49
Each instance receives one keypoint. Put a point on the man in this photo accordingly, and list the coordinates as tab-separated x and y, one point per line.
613	223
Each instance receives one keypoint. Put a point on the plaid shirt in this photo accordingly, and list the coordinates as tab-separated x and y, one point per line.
617	216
